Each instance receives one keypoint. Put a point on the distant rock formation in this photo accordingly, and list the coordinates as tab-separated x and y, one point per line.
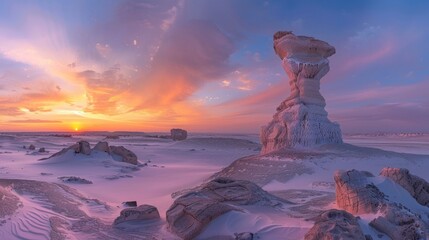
142	212
301	119
178	134
32	147
335	224
83	147
193	211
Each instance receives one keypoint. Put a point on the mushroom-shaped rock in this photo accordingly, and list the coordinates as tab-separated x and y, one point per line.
142	212
416	186
301	119
192	212
178	134
126	155
102	147
335	224
355	194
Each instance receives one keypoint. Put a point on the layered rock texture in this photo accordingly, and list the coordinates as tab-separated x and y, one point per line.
140	213
178	134
396	216
301	119
193	211
335	224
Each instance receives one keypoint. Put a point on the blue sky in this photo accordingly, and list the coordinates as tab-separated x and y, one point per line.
206	65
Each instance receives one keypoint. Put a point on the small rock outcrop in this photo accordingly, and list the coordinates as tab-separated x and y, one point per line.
142	212
32	147
355	194
399	223
42	150
83	147
335	224
126	155
102	147
193	211
73	179
416	186
301	119
178	134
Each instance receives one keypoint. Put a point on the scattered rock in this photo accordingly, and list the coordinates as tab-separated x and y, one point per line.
335	224
355	194
416	186
244	236
32	147
102	147
130	203
42	150
142	212
46	174
73	179
192	212
127	155
178	134
24	147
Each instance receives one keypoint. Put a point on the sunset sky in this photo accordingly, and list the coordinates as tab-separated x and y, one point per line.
206	65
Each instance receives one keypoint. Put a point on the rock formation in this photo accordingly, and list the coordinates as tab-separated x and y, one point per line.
142	212
178	134
357	194
335	224
416	186
399	223
193	211
126	155
301	119
83	147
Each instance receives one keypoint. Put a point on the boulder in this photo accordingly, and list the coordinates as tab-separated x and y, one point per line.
178	134
32	147
42	150
73	179
335	224
102	147
82	147
142	212
126	155
355	194
399	223
416	186
192	212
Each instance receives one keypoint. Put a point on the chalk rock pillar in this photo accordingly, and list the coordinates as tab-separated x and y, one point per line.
301	120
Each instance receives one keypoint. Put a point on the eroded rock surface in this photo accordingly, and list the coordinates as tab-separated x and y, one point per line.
416	186
355	194
335	224
142	212
301	119
102	147
126	155
399	223
193	211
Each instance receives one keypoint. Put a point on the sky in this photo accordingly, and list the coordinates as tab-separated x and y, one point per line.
204	65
